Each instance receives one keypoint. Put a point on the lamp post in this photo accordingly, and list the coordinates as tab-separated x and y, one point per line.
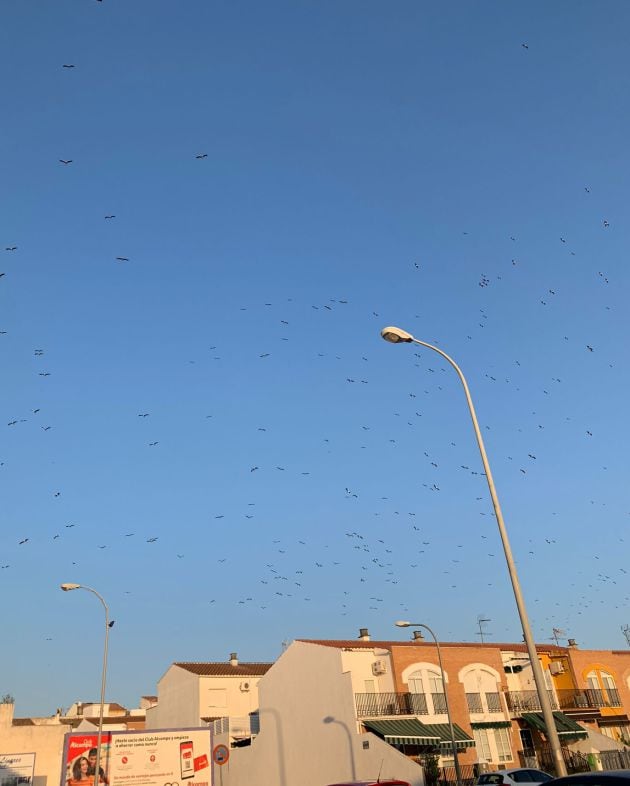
67	588
396	335
405	624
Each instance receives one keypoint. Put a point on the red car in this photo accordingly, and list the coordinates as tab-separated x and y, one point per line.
372	783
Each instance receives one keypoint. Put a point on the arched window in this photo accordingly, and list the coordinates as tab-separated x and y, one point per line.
427	689
602	689
482	689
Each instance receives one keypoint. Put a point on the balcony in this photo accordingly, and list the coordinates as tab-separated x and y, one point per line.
476	704
376	705
588	698
520	701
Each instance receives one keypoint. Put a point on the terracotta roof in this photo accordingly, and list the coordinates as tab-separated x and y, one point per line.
388	645
149	698
226	669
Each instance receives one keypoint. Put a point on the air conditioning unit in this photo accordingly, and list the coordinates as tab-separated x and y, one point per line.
556	667
379	667
245	686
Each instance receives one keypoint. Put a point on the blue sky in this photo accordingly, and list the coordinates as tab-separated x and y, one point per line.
366	164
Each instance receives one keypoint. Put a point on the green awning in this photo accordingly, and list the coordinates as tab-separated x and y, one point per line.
462	740
491	724
402	731
410	731
566	727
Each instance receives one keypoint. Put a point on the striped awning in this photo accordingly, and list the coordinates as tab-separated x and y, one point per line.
566	727
504	724
410	731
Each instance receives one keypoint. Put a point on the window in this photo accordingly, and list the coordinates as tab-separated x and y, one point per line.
217	697
369	686
493	700
502	741
416	681
483	745
474	702
482	689
521	776
592	681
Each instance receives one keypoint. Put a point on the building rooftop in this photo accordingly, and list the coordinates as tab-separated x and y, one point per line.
226	669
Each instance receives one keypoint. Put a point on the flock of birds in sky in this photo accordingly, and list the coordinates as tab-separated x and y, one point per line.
294	564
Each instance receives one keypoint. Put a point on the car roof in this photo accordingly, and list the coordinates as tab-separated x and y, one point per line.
612	776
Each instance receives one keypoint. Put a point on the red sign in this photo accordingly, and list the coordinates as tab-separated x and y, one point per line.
220	754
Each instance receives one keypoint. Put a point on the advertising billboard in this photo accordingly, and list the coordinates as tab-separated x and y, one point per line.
16	769
164	757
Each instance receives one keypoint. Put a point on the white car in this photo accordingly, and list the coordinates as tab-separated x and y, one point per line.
523	775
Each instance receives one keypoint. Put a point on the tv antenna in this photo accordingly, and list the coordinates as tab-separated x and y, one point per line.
555	633
481	621
625	629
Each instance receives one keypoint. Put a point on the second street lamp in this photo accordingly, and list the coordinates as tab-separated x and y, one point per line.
405	624
396	335
67	587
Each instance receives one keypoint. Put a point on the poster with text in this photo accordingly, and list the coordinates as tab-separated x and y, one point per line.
16	769
79	759
161	757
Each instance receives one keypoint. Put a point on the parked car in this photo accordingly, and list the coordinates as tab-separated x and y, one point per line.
595	778
513	777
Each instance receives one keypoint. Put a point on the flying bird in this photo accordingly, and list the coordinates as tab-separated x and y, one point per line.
65	161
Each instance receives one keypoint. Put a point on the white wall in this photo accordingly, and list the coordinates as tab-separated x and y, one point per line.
184	698
45	741
359	665
308	729
178	701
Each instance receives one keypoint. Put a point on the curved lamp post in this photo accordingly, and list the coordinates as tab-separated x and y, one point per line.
405	624
396	335
67	588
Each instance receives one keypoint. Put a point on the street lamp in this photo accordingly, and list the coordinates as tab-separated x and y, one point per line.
396	335
67	587
405	624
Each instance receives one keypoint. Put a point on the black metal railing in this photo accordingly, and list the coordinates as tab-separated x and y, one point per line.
474	702
374	705
527	701
493	700
439	703
584	698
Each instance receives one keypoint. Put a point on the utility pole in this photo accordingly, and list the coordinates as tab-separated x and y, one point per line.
626	632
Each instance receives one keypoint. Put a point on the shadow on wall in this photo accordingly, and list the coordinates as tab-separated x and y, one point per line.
282	774
329	719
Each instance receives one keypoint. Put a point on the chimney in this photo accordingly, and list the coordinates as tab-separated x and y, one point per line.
233	659
572	643
364	634
6	714
417	635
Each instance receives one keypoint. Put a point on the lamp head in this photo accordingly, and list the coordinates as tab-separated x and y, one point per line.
69	586
402	624
396	335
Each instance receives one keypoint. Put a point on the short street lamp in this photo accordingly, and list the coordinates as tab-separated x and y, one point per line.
396	335
405	624
67	588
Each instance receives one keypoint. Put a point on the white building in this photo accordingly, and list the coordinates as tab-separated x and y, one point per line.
222	694
309	733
